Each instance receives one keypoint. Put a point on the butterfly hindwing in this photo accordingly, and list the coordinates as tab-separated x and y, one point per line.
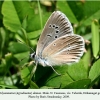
64	50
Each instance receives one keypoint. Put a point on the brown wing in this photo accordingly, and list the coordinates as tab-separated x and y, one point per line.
64	50
57	25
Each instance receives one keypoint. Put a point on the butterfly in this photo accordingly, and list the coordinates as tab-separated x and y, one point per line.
58	44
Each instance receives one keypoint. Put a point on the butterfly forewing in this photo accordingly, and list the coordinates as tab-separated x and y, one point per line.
57	25
64	50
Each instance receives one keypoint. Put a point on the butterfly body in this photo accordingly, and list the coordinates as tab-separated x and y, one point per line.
58	44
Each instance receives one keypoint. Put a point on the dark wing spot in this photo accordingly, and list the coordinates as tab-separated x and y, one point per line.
54	25
57	31
50	25
56	36
68	49
49	35
54	44
68	45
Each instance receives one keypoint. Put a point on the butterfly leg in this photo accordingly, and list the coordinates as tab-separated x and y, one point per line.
55	71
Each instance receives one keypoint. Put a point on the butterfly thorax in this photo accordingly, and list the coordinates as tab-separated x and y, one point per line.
38	59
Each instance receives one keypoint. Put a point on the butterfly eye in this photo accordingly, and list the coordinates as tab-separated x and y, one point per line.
33	55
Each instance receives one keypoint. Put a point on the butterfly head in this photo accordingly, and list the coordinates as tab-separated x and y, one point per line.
37	59
32	55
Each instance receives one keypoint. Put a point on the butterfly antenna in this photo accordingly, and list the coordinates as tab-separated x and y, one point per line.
25	45
55	71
